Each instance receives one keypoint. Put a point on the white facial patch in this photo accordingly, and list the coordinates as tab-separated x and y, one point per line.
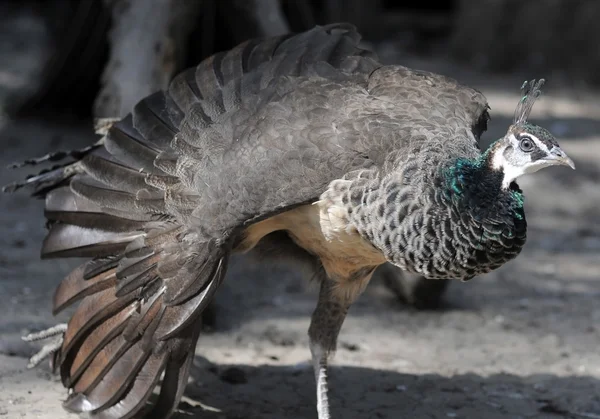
521	163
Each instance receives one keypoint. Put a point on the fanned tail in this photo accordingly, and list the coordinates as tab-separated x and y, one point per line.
125	202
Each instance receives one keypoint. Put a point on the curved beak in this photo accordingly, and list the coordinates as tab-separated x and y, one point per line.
559	157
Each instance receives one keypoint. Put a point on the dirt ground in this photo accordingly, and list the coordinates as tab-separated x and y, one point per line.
521	342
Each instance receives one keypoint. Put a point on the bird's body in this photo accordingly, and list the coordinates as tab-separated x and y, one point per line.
309	136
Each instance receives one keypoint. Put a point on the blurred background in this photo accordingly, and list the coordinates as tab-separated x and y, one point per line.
520	342
78	56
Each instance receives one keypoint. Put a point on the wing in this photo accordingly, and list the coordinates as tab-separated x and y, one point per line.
130	203
288	141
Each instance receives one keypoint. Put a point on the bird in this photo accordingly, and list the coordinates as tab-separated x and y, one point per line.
304	143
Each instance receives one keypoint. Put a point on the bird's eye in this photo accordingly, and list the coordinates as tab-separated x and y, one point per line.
526	144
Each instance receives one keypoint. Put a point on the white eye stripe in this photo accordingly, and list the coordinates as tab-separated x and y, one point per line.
538	142
542	146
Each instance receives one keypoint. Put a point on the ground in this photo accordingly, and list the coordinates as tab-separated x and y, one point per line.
517	343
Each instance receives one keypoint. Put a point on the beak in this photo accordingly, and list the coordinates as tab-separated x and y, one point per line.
557	156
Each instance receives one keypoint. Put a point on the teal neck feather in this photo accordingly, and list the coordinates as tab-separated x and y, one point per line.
475	185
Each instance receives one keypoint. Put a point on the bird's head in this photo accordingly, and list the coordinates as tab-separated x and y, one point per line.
526	148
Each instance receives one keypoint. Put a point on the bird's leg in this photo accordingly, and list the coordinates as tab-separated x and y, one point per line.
325	326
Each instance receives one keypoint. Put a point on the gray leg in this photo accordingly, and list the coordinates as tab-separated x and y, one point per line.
325	326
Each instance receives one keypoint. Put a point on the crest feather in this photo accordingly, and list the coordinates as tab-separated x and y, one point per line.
531	90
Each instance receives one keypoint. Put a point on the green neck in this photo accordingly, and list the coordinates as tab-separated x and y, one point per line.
476	185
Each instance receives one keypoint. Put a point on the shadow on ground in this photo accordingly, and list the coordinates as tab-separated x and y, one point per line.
269	392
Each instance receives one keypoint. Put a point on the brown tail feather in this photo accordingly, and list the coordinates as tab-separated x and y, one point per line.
100	364
126	202
107	388
97	266
136	280
116	346
139	391
93	343
176	372
92	310
73	288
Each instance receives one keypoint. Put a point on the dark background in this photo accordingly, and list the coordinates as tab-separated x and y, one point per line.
558	38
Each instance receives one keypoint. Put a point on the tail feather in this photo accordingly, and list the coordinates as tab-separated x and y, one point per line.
136	259
137	280
139	391
63	199
100	265
53	156
108	386
91	311
67	240
184	92
111	199
100	364
151	311
176	372
105	380
45	180
193	276
177	317
49	178
120	177
232	65
136	273
64	206
93	343
264	51
126	202
72	288
155	122
128	146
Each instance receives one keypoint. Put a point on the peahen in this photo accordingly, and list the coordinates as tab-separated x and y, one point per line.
303	138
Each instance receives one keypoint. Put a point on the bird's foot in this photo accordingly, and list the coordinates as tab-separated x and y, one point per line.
320	366
55	337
